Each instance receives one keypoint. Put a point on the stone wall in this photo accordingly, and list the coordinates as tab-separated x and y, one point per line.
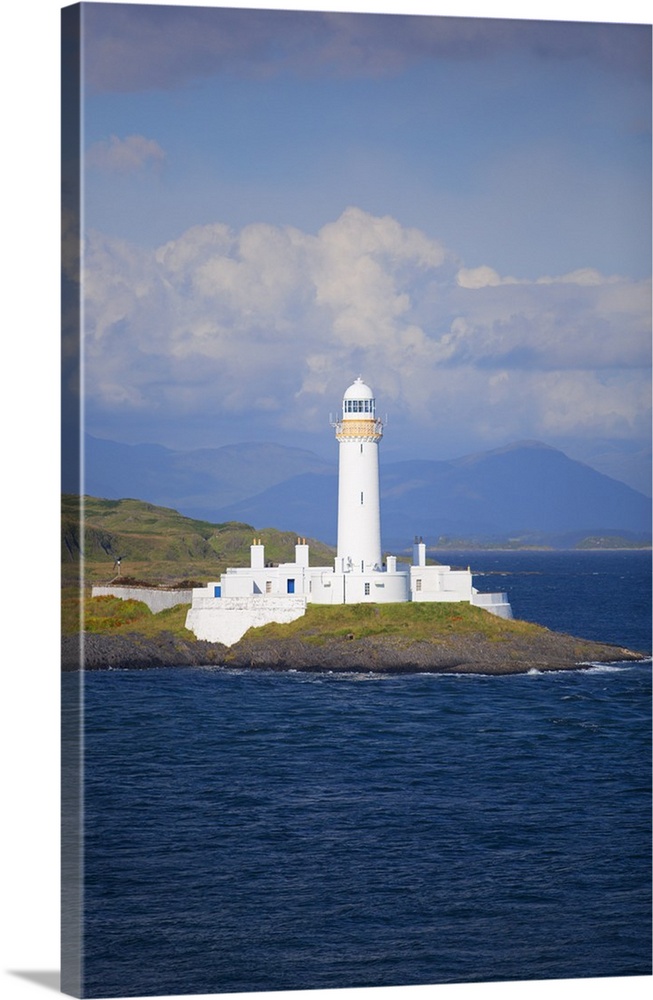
156	600
496	604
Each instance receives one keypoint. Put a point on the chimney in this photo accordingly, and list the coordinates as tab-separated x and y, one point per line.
419	552
257	554
301	552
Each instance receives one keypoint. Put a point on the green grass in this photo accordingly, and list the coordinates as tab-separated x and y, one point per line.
158	545
113	615
412	622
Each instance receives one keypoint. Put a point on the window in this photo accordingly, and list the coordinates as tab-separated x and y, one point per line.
367	589
359	406
268	586
418	584
361	496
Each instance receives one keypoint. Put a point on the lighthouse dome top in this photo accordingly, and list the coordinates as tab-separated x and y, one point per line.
358	390
358	401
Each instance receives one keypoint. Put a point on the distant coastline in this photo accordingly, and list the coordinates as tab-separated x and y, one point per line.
586	545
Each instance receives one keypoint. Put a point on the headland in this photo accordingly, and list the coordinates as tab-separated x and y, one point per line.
384	639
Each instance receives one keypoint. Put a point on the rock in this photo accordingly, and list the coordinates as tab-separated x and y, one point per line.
455	654
136	652
469	653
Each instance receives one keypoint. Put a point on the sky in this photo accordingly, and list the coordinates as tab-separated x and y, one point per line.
457	209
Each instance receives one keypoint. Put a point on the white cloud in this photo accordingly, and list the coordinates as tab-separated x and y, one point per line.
481	277
274	321
127	155
574	321
583	276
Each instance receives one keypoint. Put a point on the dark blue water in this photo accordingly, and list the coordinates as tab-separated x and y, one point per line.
292	831
596	595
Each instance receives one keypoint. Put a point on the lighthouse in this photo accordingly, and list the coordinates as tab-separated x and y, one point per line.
359	513
248	597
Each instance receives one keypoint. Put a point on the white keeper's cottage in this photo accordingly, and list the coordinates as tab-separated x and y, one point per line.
261	593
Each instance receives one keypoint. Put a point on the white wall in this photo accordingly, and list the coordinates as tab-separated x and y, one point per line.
226	619
326	588
496	604
254	581
440	583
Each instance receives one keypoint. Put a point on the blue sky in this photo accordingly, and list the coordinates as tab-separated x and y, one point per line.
456	208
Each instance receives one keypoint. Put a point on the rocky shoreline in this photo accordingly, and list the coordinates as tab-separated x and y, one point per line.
98	651
464	654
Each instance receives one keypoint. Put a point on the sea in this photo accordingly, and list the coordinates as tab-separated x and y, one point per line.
253	831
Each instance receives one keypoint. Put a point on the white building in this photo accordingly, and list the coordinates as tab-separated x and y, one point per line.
243	598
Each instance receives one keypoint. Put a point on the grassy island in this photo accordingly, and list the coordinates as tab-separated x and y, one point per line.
159	546
384	638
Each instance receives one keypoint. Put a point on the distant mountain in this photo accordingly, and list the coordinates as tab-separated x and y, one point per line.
202	479
527	489
524	490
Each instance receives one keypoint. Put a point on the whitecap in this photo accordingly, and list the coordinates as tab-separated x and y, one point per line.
606	668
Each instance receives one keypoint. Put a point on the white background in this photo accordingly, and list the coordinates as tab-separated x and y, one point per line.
29	529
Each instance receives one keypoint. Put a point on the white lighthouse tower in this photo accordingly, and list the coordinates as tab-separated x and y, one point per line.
247	597
359	513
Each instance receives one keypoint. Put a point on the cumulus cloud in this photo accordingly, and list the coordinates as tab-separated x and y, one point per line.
127	155
271	321
574	321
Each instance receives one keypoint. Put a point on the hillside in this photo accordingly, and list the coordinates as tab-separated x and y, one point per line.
160	545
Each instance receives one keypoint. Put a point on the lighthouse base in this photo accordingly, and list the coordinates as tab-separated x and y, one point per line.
375	587
259	594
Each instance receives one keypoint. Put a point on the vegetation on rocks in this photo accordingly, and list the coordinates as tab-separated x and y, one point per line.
413	638
414	621
390	638
113	615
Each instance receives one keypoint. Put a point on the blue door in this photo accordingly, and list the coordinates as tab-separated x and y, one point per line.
217	591
291	586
